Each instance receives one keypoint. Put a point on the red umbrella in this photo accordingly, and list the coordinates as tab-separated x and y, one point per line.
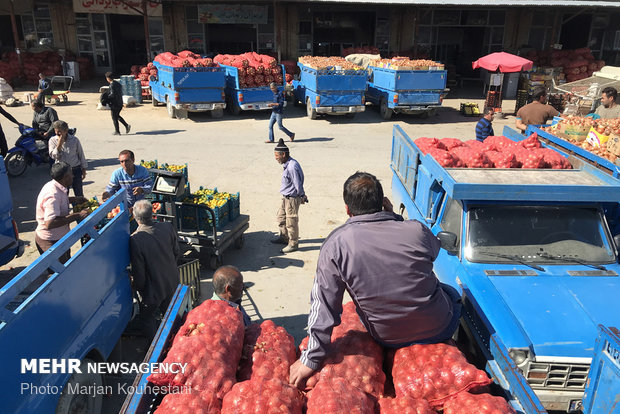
503	61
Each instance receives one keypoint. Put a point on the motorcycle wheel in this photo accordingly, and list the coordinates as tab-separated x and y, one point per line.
15	164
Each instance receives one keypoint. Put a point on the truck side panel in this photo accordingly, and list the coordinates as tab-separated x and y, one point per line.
83	306
9	245
603	390
402	80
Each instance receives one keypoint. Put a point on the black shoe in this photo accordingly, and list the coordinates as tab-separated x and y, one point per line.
116	133
127	129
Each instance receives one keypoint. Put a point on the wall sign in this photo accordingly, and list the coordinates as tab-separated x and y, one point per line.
232	13
133	7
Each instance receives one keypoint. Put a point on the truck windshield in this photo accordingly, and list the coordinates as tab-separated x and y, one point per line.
537	234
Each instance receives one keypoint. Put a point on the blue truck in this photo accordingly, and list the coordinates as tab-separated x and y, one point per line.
10	244
193	89
533	256
330	91
247	99
405	91
55	313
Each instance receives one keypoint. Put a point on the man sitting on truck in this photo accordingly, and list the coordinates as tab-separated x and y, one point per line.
608	107
537	112
228	286
53	211
133	178
154	250
386	265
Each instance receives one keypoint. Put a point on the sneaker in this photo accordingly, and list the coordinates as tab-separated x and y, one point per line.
279	240
116	133
269	142
127	129
289	248
292	137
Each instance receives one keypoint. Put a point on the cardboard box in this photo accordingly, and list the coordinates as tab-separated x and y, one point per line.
613	144
595	138
578	133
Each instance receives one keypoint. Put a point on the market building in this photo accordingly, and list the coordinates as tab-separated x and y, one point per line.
114	33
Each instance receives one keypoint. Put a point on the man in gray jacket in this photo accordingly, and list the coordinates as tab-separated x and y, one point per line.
386	265
154	249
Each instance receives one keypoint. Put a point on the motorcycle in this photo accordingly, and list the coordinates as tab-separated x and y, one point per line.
29	148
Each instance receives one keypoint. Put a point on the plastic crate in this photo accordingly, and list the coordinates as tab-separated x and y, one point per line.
197	217
189	275
234	207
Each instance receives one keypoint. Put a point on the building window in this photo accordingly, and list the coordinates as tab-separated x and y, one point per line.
156	36
37	27
195	31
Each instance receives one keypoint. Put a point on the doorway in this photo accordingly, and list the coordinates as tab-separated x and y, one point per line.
128	42
575	32
233	39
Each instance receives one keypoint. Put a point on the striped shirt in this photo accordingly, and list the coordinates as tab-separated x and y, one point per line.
140	178
484	129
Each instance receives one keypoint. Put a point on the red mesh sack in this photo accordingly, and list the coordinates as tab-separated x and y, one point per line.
336	396
194	402
268	352
434	372
210	343
553	159
502	159
404	405
450	143
472	158
261	395
500	142
529	159
188	54
466	403
531	141
429	142
480	146
445	158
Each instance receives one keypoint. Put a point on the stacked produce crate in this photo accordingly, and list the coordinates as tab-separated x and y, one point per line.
522	99
194	215
131	87
493	100
470	109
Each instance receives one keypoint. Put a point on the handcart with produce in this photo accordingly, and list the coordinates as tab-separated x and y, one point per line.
584	93
208	222
60	86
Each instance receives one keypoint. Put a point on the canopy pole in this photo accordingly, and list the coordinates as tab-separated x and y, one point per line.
16	37
146	31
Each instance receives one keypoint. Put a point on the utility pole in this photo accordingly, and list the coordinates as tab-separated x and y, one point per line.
146	30
16	37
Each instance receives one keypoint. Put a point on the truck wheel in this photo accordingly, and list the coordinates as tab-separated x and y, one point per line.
386	113
217	113
16	164
310	111
153	100
77	403
172	112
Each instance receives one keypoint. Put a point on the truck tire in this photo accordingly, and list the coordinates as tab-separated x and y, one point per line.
310	111
172	111
78	403
153	100
217	113
386	113
16	164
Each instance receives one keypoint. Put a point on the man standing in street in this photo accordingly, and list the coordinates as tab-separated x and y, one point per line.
484	127
293	195
3	145
537	112
277	113
154	250
134	178
66	147
228	286
115	100
608	107
386	265
53	210
43	118
44	89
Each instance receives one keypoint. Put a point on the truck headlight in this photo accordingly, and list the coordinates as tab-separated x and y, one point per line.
519	356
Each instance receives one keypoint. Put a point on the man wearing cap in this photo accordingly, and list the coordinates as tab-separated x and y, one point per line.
293	194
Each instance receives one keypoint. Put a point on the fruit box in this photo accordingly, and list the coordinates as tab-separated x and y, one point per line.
198	217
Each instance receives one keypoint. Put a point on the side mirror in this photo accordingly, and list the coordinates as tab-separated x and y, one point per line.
448	241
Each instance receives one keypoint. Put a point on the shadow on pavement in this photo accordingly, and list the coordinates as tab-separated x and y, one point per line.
159	132
103	162
294	325
315	139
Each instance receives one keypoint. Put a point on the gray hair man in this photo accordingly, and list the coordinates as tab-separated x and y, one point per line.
228	286
65	146
154	250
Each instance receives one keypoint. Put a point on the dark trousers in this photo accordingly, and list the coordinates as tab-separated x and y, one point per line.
44	245
78	189
3	145
116	117
147	319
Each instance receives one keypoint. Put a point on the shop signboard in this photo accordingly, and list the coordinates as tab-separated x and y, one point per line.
134	7
232	14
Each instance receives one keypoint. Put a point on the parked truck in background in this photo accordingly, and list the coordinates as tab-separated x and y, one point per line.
191	89
247	99
533	256
330	91
77	312
405	91
10	244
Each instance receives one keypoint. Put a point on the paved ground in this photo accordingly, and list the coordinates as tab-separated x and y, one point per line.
230	154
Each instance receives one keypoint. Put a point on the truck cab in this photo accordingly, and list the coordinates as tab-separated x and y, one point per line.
533	256
10	244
